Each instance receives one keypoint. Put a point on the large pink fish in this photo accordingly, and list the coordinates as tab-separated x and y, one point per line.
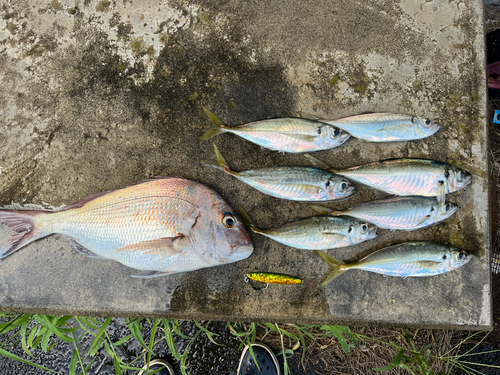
160	226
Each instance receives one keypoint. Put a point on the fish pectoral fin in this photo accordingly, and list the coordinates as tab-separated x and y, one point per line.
302	137
308	189
164	247
429	264
422	221
150	274
389	128
82	249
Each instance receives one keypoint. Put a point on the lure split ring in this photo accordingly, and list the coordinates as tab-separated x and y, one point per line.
247	280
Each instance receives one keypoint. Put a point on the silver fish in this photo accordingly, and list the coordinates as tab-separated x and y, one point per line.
318	233
398	213
405	176
419	258
161	226
291	182
289	134
385	127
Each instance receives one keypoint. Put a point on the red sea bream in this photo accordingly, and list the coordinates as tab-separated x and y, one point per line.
160	226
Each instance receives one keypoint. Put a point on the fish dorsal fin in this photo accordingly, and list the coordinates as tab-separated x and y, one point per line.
308	116
82	249
164	247
316	162
86	200
82	202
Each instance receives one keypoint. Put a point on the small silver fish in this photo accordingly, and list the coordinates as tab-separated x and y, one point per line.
291	182
405	176
419	258
160	226
398	213
385	127
318	233
289	134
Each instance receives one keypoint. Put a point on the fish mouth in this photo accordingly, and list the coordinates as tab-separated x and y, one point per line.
434	128
243	251
343	137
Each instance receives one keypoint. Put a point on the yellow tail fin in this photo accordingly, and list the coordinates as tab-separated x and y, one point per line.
248	222
217	122
335	264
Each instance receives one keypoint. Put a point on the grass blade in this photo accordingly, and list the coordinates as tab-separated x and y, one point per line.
16	358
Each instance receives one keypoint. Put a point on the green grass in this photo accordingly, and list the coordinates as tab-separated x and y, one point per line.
44	332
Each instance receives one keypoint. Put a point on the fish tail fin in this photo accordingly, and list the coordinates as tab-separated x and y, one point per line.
247	221
316	162
217	122
325	210
335	264
23	225
220	163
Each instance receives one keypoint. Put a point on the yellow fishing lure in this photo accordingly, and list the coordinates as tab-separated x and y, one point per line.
273	278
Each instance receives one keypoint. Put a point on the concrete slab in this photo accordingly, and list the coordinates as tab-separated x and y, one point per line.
97	95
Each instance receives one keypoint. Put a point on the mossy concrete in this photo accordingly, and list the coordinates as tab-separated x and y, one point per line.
97	95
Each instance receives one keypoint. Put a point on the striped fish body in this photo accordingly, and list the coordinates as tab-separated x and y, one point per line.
321	232
421	258
298	183
409	176
401	213
289	134
386	127
166	225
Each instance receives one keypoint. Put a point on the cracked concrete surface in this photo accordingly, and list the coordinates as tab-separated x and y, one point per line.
97	95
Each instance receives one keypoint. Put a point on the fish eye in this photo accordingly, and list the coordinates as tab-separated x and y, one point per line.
444	257
427	122
461	255
335	133
447	174
229	221
447	207
462	175
343	186
364	227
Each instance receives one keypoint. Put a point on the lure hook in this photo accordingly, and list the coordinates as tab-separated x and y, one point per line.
247	280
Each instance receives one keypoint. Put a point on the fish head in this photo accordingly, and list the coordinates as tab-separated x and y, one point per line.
425	127
457	178
360	232
336	189
456	258
229	239
333	136
443	213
